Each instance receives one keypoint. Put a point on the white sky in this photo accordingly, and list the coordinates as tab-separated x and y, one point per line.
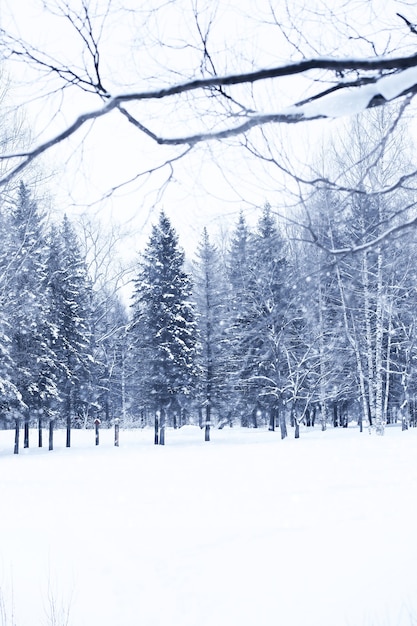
211	185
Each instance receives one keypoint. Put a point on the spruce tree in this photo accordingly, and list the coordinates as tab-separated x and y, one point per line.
210	292
163	327
10	398
69	319
257	275
31	355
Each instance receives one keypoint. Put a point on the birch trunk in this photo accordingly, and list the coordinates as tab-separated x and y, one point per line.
353	341
368	338
379	334
322	365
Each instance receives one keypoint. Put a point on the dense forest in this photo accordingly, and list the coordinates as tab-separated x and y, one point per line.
270	328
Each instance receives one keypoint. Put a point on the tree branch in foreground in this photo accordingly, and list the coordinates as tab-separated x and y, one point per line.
343	98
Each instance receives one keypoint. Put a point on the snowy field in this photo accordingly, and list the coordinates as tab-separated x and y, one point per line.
246	530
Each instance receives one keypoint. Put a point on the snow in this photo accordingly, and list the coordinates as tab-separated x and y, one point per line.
244	530
353	100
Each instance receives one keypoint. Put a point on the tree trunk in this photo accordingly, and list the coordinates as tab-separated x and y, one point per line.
283	424
369	315
208	421
297	429
68	441
322	361
156	427
272	419
116	432
40	441
16	436
379	336
26	433
162	428
353	340
97	429
51	434
335	418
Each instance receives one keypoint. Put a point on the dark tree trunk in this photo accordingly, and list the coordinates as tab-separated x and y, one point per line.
107	407
97	429
162	428
208	418
26	433
255	417
369	415
68	441
51	434
16	436
156	426
297	429
335	418
308	419
272	416
40	441
200	416
313	418
175	421
116	432
283	424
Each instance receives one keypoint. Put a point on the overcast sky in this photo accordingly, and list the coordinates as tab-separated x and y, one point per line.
215	181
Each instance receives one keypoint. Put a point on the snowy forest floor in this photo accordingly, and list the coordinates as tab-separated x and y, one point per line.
244	530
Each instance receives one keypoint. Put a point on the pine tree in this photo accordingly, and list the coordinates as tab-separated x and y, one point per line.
31	355
164	327
10	398
69	319
239	276
210	292
258	273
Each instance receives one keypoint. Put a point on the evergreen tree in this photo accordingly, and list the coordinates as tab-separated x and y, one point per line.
210	292
30	353
164	326
10	398
259	303
239	275
69	318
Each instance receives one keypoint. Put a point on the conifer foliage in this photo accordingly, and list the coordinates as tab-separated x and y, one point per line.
163	327
69	316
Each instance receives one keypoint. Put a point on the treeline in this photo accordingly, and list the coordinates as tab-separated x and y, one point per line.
58	337
270	331
309	323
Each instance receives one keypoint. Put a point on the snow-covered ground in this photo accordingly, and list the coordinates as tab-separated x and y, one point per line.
246	530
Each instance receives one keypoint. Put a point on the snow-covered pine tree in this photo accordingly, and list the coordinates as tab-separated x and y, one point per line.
10	398
210	291
32	358
163	328
258	275
239	276
69	318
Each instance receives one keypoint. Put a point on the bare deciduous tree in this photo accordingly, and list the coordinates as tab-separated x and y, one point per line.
176	75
